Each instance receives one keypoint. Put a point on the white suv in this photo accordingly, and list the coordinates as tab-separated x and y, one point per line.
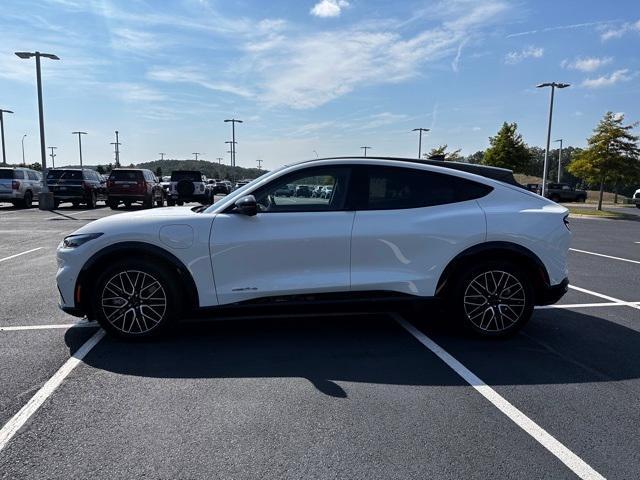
20	186
636	198
392	229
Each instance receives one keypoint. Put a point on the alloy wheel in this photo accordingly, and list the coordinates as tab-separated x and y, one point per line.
134	302
494	301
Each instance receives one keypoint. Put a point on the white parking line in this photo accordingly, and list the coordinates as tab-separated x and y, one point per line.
18	254
605	256
20	418
566	456
588	305
17	328
606	297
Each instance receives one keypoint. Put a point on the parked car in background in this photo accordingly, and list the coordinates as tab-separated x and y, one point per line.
134	185
165	182
395	229
75	185
326	192
189	186
636	198
221	187
19	186
563	192
302	191
533	187
240	184
284	191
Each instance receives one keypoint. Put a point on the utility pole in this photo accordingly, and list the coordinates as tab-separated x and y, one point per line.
162	154
53	156
23	162
259	164
365	150
231	151
45	198
553	86
4	155
116	149
420	139
80	144
219	160
559	160
196	154
233	139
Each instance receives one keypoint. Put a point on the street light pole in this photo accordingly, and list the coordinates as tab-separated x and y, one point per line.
365	150
162	154
80	144
259	164
53	156
23	162
553	86
4	155
196	154
219	160
559	160
116	150
233	139
45	198
420	139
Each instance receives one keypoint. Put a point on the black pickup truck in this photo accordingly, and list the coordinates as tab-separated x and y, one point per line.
563	192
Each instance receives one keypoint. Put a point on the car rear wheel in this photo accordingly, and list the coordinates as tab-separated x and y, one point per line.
160	201
135	299
28	200
92	200
170	203
493	299
147	202
554	198
112	205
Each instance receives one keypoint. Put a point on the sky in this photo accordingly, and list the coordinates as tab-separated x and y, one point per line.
310	77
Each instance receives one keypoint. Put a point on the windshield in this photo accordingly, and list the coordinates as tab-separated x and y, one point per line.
64	175
125	175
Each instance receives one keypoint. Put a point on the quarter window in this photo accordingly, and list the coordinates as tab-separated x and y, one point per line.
388	188
32	175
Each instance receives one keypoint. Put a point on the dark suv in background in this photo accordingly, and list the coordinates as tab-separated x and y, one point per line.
189	186
76	186
134	185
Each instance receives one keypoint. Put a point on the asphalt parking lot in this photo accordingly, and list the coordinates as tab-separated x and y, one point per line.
387	395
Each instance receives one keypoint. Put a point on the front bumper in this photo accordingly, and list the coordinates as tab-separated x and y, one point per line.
552	293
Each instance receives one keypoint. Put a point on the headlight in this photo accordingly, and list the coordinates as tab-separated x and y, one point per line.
73	241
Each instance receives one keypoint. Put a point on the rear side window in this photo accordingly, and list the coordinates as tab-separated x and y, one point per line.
6	174
19	175
125	175
387	188
32	175
191	176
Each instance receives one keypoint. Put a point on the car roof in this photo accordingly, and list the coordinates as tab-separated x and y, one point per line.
494	173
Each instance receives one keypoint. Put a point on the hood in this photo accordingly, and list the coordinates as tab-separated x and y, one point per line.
141	217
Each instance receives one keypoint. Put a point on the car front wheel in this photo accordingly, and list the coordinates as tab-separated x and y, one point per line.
135	299
494	299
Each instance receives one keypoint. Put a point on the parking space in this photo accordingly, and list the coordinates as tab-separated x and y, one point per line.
341	396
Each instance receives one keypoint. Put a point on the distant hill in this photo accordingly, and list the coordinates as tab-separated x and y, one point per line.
210	169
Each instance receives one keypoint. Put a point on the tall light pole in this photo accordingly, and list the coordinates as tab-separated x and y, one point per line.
23	162
231	151
420	139
259	164
559	160
365	150
553	86
45	198
162	154
116	150
53	156
233	139
196	154
80	144
219	160
4	155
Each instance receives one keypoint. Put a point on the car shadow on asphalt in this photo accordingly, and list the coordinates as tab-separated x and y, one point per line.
557	347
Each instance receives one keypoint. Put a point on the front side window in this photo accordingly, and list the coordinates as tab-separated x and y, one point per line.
386	188
299	191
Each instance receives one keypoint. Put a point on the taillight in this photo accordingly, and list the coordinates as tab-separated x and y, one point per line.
15	185
86	185
110	183
141	186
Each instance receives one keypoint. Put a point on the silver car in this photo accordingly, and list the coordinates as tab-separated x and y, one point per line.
19	186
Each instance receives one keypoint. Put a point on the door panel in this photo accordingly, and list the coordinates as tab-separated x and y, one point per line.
407	250
282	253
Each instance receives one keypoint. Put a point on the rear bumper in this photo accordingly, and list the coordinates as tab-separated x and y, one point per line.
121	197
552	293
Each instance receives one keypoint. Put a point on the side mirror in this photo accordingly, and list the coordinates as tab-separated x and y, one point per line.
247	205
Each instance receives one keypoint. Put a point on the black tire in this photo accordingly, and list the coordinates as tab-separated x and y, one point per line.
127	204
170	202
147	202
493	299
119	304
113	205
92	200
582	199
75	203
160	201
637	205
28	200
180	203
554	198
56	204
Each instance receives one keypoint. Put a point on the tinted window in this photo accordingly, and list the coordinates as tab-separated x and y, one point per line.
394	188
6	174
64	174
271	199
185	175
32	175
125	175
19	175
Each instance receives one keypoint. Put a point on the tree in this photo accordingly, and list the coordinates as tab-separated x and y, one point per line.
159	171
35	166
441	151
612	154
100	169
476	158
508	150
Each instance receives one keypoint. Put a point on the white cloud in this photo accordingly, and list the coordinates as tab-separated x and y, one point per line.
607	80
619	31
518	56
135	41
329	8
193	76
455	64
586	64
134	92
